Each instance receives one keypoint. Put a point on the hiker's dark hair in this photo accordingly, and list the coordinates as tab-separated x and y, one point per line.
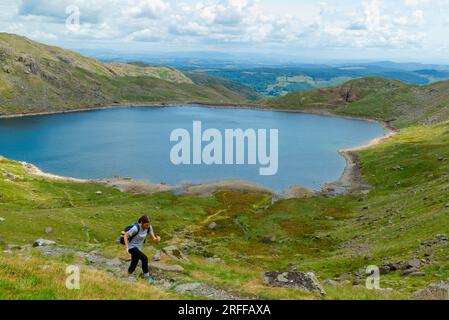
145	219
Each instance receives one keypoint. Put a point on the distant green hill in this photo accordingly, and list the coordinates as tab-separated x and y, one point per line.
377	98
40	78
204	79
276	81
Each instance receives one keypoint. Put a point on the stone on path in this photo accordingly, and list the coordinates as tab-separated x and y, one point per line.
213	226
166	267
43	243
204	290
174	253
157	256
414	263
116	262
331	283
295	280
439	291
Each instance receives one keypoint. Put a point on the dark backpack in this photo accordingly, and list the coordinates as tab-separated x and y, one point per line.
122	236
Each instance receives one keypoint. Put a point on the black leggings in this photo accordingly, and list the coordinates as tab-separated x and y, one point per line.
137	255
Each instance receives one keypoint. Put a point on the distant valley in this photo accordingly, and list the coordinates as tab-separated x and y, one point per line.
272	78
278	81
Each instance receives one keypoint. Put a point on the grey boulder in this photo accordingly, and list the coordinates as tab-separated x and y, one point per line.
439	291
43	243
166	267
174	253
157	256
295	280
414	263
213	226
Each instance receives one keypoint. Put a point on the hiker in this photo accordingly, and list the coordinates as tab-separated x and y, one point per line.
134	238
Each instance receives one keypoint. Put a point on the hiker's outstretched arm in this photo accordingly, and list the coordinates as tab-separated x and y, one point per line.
153	237
126	237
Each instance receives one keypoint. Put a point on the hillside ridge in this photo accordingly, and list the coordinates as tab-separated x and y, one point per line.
37	78
375	98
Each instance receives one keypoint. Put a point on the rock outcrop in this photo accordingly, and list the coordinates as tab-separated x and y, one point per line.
439	291
204	290
174	253
166	267
213	226
43	243
295	280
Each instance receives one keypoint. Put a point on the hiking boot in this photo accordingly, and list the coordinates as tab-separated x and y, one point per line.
150	279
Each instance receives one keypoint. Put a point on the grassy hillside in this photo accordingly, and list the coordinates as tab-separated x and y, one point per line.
276	81
404	217
376	98
203	79
402	221
39	78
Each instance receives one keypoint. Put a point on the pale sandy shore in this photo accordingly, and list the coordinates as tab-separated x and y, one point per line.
143	187
35	171
351	180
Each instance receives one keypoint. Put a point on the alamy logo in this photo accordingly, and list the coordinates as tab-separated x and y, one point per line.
73	278
373	279
237	147
73	20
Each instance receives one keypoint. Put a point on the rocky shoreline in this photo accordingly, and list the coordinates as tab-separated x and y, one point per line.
186	103
351	181
157	104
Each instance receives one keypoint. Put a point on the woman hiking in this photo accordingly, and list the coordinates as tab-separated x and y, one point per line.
134	240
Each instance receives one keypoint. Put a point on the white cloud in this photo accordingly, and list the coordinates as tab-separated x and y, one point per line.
282	23
416	3
151	9
145	35
55	11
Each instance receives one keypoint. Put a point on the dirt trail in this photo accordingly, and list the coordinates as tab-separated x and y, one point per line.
209	218
117	267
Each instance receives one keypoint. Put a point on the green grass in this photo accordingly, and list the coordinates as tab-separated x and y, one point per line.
406	207
37	278
330	236
375	98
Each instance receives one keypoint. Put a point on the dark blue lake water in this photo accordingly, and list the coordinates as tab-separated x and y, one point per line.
135	142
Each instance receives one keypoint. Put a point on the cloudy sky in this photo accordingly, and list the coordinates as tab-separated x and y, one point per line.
415	30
